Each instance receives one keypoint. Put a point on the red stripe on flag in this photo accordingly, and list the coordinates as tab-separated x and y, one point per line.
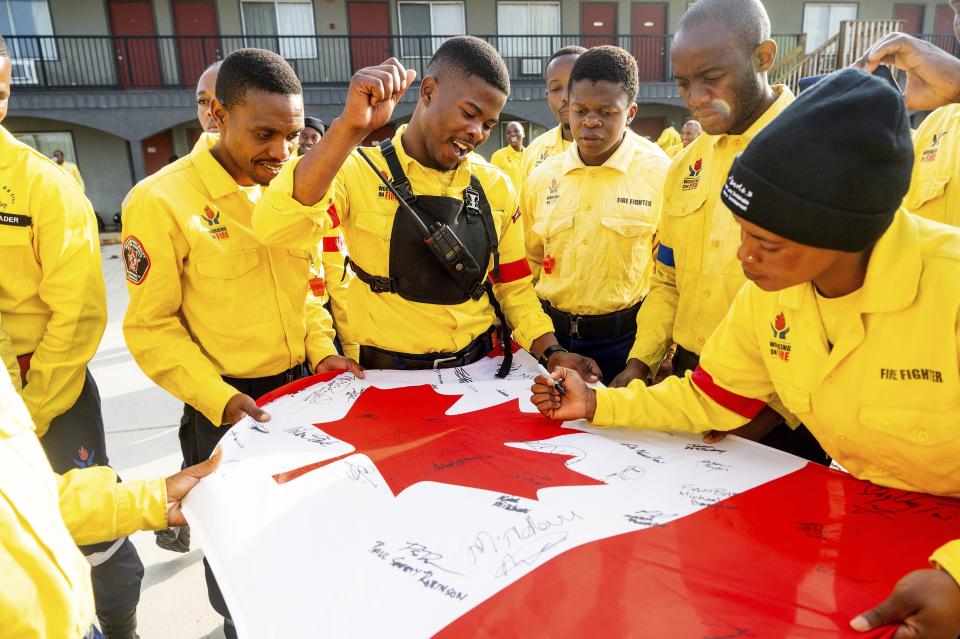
332	212
795	557
331	244
743	406
511	272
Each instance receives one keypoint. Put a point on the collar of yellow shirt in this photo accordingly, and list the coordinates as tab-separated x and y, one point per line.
893	275
461	174
218	182
9	152
619	161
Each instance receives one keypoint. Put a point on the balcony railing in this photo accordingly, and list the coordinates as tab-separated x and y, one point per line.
946	41
159	62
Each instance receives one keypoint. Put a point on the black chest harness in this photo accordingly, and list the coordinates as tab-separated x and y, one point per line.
440	247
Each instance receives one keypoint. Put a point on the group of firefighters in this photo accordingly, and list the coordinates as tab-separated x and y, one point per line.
773	272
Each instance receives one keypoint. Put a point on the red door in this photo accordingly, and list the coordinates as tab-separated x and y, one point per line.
648	29
598	23
943	28
157	150
195	24
138	63
912	16
369	19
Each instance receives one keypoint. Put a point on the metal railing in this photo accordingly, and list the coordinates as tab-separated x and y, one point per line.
946	41
158	62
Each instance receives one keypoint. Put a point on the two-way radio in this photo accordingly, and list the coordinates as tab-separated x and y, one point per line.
441	240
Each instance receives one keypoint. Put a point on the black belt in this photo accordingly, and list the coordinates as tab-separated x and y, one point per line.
615	324
373	357
278	380
684	361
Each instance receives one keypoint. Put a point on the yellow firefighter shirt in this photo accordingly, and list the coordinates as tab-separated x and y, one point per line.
206	298
509	161
43	516
546	145
52	296
935	183
696	274
358	199
884	401
590	229
9	357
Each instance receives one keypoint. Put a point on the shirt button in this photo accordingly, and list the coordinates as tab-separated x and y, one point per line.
701	341
830	379
715	244
707	292
589	207
923	436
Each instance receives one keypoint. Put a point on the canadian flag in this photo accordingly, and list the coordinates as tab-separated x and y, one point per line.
413	504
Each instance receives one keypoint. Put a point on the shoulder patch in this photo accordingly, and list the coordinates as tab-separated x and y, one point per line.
135	260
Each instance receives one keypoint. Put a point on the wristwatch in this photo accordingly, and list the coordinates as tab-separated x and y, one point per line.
548	351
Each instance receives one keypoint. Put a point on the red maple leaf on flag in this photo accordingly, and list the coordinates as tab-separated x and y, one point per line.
408	435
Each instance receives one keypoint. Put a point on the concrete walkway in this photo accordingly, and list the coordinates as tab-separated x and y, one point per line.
141	422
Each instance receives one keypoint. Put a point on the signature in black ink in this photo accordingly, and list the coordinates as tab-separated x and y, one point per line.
649	518
701	496
890	502
577	454
420	553
235	436
704	448
630	473
646	454
530	554
710	464
511	503
821	531
360	472
311	434
486	542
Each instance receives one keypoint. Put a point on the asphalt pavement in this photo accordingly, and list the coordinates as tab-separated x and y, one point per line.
141	421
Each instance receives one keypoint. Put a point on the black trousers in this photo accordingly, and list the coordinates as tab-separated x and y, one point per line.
199	437
76	440
797	441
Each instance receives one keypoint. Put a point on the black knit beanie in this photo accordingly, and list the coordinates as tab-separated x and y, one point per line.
315	123
831	170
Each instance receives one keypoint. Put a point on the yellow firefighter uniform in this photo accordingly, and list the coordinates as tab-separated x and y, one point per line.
46	581
9	357
883	402
590	229
52	296
935	184
366	209
546	145
73	171
509	160
696	274
206	298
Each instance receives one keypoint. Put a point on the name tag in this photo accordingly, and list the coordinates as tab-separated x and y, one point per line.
15	219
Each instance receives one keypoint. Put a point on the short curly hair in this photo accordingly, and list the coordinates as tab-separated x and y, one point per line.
609	63
468	55
254	70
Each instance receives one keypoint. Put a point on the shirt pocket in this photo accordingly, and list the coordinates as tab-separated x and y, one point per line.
917	445
235	286
925	190
684	215
628	248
